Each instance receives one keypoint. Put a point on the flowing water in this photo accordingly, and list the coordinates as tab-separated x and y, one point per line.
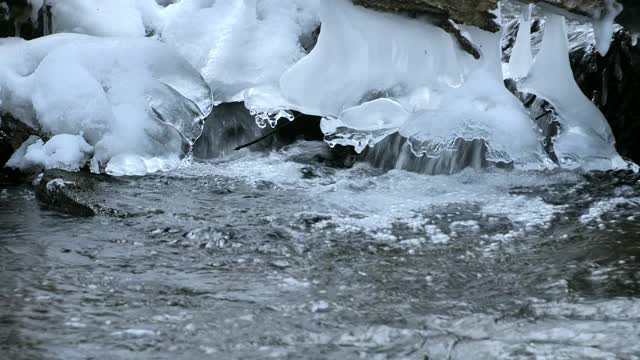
276	255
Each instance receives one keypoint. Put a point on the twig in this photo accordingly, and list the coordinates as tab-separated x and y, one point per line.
265	135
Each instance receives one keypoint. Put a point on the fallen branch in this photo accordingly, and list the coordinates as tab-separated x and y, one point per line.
275	130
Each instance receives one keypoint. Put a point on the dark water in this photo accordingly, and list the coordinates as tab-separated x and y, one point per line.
265	256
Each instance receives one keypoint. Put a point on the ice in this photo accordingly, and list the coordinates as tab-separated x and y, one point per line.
244	52
121	95
603	25
521	56
363	54
136	165
370	75
67	152
375	74
585	139
36	5
98	17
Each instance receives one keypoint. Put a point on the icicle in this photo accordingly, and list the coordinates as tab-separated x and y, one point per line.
36	5
586	139
521	56
603	26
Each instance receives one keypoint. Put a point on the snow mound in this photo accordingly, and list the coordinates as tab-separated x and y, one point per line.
121	95
67	152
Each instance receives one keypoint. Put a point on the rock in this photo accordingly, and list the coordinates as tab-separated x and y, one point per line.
481	13
15	20
612	83
72	193
9	177
588	8
630	17
13	133
228	125
395	152
231	125
470	12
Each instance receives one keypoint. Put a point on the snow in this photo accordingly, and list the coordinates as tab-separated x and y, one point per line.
121	95
100	18
67	152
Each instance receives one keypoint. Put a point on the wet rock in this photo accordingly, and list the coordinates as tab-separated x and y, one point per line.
589	8
310	40
10	177
481	13
15	20
470	12
630	17
13	133
231	125
612	83
72	193
228	126
395	152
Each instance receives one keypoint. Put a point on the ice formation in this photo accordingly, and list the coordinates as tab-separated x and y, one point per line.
603	25
585	139
377	74
521	55
140	102
121	95
242	54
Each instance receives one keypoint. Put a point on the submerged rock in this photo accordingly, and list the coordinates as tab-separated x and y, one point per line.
72	193
13	133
